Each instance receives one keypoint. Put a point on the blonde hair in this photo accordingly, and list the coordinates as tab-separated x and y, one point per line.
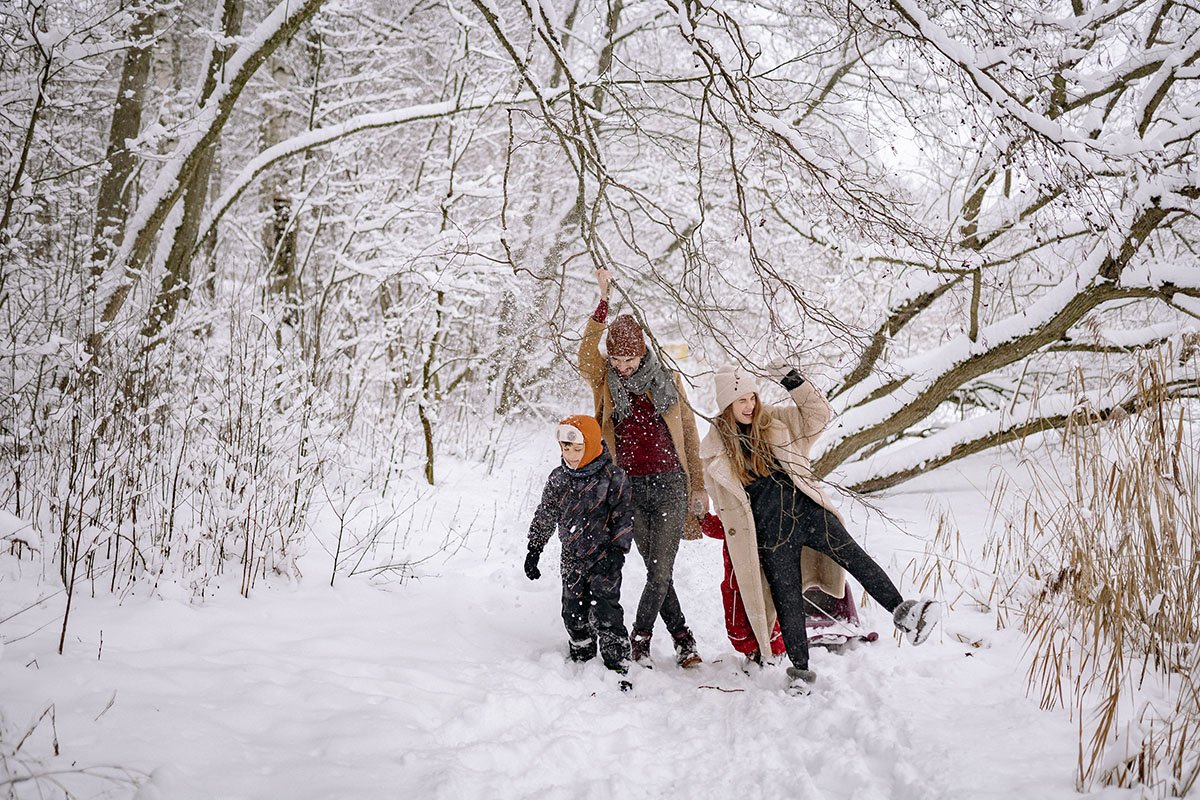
749	453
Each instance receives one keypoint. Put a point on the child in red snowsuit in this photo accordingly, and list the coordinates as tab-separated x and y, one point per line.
737	624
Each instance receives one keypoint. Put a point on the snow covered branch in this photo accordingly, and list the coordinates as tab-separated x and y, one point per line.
329	134
895	464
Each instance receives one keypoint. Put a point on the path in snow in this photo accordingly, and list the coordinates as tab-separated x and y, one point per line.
456	685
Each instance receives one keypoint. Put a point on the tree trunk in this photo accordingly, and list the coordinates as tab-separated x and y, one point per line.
280	24
281	230
177	282
116	185
35	113
430	390
279	238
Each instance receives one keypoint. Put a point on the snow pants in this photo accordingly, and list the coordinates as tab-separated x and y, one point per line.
737	622
591	606
786	520
659	512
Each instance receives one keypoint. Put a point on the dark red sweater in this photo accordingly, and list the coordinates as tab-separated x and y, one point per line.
644	445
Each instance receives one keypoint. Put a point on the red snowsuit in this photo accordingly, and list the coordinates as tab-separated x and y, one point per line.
737	624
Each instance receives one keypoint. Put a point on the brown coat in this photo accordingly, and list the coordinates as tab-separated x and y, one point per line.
791	430
680	421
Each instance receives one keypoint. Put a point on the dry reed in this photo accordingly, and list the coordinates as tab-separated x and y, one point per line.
1093	550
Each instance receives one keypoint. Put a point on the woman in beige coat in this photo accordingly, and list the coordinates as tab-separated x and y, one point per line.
783	534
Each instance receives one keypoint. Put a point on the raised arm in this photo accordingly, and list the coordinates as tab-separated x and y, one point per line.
592	365
811	413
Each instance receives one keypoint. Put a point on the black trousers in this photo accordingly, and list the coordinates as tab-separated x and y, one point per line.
591	605
786	520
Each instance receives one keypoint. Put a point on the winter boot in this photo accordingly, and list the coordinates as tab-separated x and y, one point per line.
639	647
916	618
752	662
582	649
622	671
800	681
685	649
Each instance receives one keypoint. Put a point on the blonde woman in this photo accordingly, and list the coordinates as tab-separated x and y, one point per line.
783	534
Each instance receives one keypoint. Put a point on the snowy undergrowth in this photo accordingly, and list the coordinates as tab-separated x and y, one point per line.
449	678
1113	606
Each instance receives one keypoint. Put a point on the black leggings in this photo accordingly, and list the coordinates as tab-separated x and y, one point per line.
786	520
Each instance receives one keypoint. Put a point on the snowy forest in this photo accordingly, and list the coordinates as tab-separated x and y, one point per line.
291	295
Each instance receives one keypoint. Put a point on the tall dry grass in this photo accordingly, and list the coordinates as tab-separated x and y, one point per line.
1093	554
1115	625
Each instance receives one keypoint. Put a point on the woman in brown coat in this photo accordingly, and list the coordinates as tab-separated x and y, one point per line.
781	529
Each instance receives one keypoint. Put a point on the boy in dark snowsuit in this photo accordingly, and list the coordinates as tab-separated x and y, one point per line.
588	499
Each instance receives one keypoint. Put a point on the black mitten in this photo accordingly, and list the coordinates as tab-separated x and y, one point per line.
531	565
792	380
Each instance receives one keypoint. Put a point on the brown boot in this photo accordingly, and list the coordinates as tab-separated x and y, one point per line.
685	649
639	647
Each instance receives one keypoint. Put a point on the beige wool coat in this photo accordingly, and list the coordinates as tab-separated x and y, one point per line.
791	431
681	423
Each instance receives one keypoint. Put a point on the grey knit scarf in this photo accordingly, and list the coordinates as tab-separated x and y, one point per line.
649	377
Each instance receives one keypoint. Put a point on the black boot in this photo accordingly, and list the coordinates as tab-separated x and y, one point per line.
583	649
622	672
685	649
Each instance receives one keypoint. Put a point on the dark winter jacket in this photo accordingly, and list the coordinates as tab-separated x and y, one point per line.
591	507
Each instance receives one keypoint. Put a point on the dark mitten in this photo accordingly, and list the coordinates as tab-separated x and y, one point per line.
531	565
786	374
792	380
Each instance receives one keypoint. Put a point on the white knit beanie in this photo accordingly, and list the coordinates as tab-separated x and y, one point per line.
732	382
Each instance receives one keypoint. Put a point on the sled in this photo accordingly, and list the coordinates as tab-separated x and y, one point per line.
832	622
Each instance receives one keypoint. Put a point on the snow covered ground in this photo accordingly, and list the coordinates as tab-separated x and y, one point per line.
454	683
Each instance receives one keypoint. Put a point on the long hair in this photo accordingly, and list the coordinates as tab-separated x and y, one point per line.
749	452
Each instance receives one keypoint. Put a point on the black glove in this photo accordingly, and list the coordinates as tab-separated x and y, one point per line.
792	380
785	373
531	568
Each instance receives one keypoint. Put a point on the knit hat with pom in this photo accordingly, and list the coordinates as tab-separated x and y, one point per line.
625	338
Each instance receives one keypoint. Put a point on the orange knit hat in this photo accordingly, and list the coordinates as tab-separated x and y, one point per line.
582	428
